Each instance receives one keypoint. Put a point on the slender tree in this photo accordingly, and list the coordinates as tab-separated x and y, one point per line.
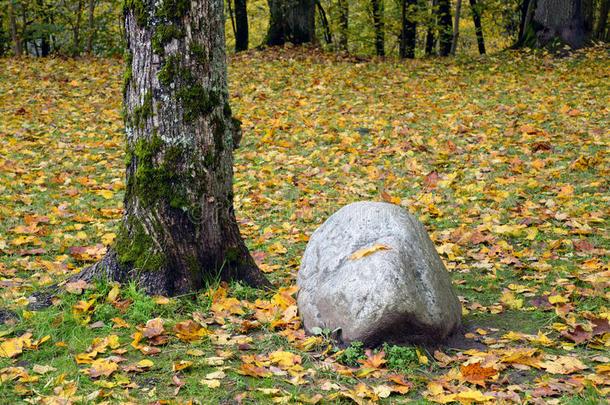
178	228
343	23
325	25
241	25
456	27
601	24
291	21
445	25
377	11
91	26
432	29
478	28
16	40
406	48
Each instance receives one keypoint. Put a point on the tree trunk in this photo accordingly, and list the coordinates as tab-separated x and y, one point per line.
445	27
600	26
343	23
377	8
14	36
456	27
406	48
241	25
76	30
325	25
291	21
559	19
178	229
478	28
91	26
432	29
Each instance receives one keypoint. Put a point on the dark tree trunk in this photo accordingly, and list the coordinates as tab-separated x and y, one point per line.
325	25
377	9
91	26
76	30
178	229
588	14
291	21
406	47
559	19
432	29
445	27
343	23
241	25
16	41
456	27
478	28
524	7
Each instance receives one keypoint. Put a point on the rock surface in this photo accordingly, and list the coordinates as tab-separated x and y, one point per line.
397	295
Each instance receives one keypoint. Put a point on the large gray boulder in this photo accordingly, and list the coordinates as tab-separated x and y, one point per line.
396	295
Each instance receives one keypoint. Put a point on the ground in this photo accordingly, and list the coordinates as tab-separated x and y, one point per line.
503	158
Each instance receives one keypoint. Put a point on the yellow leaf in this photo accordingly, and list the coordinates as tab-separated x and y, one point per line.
210	383
181	365
277	248
557	299
12	347
107	194
473	396
145	363
359	254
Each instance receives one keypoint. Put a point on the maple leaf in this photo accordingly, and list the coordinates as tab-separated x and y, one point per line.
477	374
189	331
154	328
359	254
102	367
373	360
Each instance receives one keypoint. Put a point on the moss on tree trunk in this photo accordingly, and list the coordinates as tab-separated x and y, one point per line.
179	228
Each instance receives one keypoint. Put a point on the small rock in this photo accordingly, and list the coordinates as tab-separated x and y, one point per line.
372	274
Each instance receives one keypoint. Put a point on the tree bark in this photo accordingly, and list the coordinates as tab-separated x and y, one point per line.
291	21
445	25
91	26
343	23
178	229
559	19
16	42
76	30
432	29
456	27
241	25
325	25
406	47
478	28
377	8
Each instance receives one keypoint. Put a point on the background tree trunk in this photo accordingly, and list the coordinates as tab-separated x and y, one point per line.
91	26
178	228
16	41
343	23
560	19
432	30
408	29
445	27
241	25
600	26
76	30
456	27
478	28
325	25
377	9
291	21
